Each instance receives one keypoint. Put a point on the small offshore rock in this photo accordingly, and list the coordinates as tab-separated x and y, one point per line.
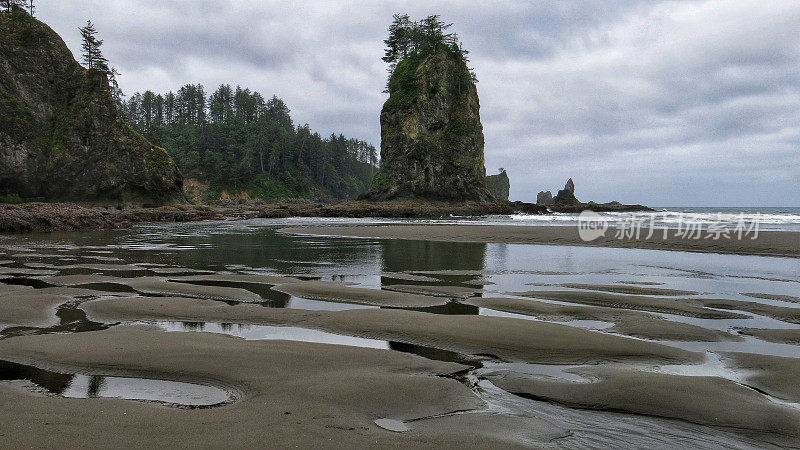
499	185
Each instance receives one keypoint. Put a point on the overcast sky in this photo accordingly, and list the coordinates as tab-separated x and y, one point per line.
666	103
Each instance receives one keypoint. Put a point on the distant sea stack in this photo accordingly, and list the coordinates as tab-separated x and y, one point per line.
565	202
61	134
431	133
499	186
566	196
544	198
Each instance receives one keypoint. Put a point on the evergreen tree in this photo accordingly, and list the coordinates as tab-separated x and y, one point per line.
11	4
92	56
249	143
420	38
116	90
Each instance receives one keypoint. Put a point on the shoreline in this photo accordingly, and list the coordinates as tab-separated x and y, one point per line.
768	243
52	217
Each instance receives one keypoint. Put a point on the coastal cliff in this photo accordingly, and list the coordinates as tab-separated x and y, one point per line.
61	134
431	134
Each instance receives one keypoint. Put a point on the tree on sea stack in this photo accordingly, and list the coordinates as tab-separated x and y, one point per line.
93	59
10	4
431	134
92	56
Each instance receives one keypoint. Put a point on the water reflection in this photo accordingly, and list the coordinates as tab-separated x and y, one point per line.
72	319
406	256
452	308
95	386
271	333
439	261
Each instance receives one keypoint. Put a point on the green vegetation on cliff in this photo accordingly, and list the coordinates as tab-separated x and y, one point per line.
61	134
408	45
234	140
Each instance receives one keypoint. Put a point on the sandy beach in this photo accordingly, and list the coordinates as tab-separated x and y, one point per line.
447	341
771	243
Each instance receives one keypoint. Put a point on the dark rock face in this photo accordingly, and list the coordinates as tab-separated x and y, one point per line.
499	185
61	136
544	198
431	134
570	186
566	196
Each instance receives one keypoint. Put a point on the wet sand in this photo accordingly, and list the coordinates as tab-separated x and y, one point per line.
156	286
622	289
630	323
337	292
777	375
782	313
294	394
779	336
773	243
21	305
506	338
689	307
704	400
440	318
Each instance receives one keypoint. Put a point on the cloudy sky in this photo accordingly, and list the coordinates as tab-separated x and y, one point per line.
667	103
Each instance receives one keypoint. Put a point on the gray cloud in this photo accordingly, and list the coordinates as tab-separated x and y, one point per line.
693	102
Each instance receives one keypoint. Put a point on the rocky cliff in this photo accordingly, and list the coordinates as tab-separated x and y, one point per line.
61	136
431	133
499	186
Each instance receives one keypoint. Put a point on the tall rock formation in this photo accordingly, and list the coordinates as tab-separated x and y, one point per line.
566	196
431	133
499	186
61	135
570	186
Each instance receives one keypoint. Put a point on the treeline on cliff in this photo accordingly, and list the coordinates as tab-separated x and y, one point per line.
236	140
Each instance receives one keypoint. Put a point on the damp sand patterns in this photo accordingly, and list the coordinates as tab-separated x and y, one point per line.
717	306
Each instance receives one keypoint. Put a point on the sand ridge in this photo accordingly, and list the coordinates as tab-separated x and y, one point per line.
775	243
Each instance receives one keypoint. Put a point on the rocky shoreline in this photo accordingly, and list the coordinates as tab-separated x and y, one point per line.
49	217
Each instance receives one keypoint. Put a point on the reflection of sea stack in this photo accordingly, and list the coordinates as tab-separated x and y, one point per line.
431	133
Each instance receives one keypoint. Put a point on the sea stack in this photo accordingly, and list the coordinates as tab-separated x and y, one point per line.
566	196
61	133
431	133
544	198
499	186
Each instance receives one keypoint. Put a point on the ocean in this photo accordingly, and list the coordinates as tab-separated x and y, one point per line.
779	219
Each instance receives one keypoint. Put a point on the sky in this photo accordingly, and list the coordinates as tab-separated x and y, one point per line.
664	103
